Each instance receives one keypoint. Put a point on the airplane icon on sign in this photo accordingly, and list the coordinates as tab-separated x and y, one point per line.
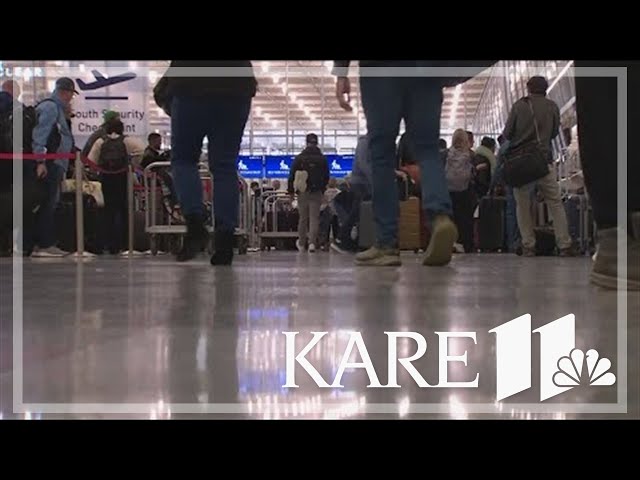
102	81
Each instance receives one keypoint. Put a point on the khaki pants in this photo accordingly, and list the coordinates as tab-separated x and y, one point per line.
309	209
550	190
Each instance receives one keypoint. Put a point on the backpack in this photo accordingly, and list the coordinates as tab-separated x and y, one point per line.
314	164
29	119
113	154
458	170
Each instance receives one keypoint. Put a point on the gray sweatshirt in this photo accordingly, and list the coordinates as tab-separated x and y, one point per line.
520	128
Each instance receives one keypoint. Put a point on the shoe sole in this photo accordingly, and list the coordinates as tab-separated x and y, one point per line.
611	283
441	246
386	261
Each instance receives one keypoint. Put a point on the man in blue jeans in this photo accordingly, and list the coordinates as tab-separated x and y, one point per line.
51	134
386	101
216	107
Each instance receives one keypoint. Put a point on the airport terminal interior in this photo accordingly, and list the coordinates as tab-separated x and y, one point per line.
290	334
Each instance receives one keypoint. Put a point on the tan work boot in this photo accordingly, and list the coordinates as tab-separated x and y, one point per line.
379	257
444	235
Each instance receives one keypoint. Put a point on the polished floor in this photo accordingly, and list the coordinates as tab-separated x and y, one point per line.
149	338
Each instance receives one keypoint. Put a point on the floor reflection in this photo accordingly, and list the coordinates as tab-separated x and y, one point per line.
151	332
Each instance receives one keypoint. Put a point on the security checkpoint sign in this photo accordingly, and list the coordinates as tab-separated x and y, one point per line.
102	87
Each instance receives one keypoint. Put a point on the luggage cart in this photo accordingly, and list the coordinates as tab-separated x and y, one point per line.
245	222
271	235
158	225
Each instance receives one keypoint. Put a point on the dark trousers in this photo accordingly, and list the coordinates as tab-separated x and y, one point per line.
463	205
34	195
358	195
221	119
114	189
43	233
596	104
386	101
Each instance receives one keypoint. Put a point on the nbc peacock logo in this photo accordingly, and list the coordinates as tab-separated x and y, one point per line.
579	368
559	371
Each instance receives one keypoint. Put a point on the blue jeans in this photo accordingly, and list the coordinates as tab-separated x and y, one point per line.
222	120
513	232
44	233
417	100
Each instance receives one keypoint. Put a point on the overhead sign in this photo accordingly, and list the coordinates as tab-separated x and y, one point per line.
123	92
278	166
340	165
251	166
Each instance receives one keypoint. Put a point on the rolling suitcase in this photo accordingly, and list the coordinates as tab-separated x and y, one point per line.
65	223
491	224
545	241
578	220
409	225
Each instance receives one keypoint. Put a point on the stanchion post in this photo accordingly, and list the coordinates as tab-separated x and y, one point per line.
130	208
79	207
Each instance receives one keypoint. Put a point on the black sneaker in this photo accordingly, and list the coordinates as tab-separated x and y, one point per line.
195	240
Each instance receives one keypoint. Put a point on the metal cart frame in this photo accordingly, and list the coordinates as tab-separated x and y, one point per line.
150	182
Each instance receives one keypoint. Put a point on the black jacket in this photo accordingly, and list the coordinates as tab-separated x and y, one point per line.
315	163
341	67
150	156
244	85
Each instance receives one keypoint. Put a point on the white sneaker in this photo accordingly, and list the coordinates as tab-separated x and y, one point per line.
338	248
135	253
299	246
312	248
49	252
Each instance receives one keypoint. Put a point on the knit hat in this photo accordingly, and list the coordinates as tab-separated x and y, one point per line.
110	115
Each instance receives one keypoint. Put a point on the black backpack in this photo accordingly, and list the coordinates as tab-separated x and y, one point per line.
113	154
314	163
6	128
29	121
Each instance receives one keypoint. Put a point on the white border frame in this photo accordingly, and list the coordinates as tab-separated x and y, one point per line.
620	407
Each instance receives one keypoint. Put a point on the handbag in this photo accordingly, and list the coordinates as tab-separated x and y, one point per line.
527	163
91	188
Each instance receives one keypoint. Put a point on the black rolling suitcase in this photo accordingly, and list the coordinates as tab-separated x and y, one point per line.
491	224
579	220
65	222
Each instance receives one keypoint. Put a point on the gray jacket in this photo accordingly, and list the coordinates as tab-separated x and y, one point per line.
520	129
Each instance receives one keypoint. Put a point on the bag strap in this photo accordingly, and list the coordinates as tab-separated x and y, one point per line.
535	123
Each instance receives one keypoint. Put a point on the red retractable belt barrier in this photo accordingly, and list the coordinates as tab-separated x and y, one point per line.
61	156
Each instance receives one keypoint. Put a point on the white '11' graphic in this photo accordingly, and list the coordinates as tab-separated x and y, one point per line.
513	354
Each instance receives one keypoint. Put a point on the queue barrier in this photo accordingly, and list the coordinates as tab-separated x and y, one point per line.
79	161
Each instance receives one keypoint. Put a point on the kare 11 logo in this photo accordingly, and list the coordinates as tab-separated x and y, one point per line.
562	365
